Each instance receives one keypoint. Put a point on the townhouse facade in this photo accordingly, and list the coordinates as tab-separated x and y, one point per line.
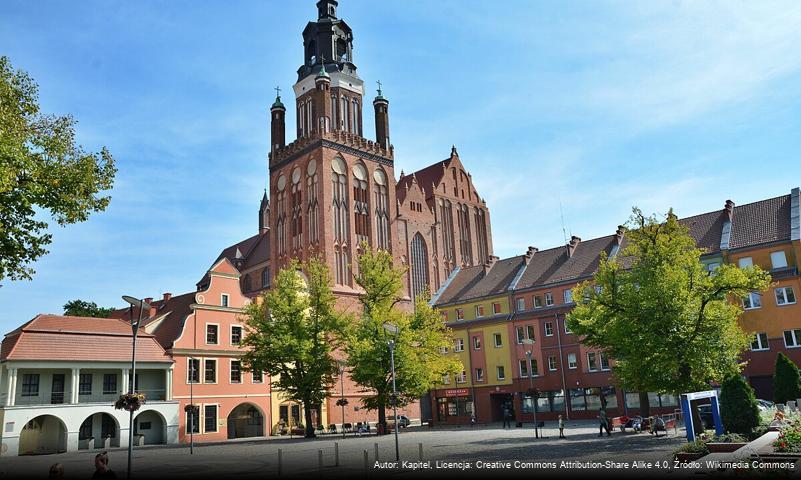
60	377
574	380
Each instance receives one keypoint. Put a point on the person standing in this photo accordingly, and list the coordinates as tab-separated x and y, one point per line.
102	472
561	424
507	417
603	423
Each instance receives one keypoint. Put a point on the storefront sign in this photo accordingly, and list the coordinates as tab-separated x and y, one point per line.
457	392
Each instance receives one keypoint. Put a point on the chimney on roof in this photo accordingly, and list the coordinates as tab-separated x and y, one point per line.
530	253
621	231
574	243
166	296
729	208
489	263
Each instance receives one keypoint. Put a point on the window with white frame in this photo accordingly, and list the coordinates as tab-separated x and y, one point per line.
258	377
567	330
785	296
530	333
446	379
745	262
760	342
224	299
520	334
479	311
792	338
210	370
549	329
501	372
212	334
236	334
236	371
496	308
458	345
209	418
476	343
572	363
443	350
778	259
604	361
459	314
534	368
752	300
524	368
497	340
479	374
462	377
548	299
568	296
193	370
537	301
592	366
552	363
521	304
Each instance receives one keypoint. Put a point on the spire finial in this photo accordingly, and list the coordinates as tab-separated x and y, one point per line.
379	87
454	153
277	92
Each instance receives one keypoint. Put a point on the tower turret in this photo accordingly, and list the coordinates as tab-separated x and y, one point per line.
381	106
277	123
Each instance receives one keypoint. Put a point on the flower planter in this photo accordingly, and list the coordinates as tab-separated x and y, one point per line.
687	457
722	447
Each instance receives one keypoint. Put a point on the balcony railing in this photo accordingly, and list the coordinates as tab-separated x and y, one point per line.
56	398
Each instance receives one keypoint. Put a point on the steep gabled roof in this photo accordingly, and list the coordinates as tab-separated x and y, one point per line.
167	323
706	229
555	265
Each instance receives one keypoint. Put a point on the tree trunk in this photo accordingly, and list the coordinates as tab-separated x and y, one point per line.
382	418
645	405
307	415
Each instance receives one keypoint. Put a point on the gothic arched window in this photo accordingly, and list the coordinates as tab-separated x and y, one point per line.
481	235
297	210
280	186
361	203
312	206
449	244
381	209
341	213
419	265
265	278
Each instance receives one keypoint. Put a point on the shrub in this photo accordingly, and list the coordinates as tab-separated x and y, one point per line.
728	438
738	406
786	380
698	446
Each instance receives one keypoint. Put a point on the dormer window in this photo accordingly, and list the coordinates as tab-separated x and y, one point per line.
224	299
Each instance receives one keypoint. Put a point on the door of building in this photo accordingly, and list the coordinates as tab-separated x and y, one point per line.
57	392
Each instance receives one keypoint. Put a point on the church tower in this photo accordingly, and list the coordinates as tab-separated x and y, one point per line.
331	189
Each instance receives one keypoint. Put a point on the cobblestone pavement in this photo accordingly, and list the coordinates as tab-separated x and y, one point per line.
465	448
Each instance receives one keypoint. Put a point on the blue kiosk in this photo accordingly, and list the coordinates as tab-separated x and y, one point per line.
687	404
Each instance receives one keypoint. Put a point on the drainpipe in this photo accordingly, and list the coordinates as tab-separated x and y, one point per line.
562	365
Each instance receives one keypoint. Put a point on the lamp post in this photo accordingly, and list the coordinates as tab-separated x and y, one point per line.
529	353
392	329
141	304
342	393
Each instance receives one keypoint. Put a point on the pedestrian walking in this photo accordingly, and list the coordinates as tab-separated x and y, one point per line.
603	423
561	427
507	417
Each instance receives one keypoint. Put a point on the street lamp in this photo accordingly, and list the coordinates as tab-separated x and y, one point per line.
141	304
529	352
342	393
393	330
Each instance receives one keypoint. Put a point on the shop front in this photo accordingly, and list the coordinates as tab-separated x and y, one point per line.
454	406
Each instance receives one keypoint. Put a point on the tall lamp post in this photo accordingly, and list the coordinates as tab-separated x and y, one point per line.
141	304
529	353
393	330
342	393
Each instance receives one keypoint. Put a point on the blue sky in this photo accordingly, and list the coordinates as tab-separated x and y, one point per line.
594	105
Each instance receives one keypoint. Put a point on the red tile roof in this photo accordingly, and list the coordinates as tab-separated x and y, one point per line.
57	337
760	222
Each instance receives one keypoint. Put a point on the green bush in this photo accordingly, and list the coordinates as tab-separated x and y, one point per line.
789	440
698	446
786	380
738	407
728	438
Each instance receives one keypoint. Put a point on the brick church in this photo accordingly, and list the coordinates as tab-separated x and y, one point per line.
332	188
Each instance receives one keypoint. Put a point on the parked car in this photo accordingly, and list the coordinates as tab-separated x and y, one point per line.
764	404
403	421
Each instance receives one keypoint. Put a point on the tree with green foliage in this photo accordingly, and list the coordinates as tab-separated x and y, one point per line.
41	170
786	380
670	324
81	308
291	334
421	338
738	406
